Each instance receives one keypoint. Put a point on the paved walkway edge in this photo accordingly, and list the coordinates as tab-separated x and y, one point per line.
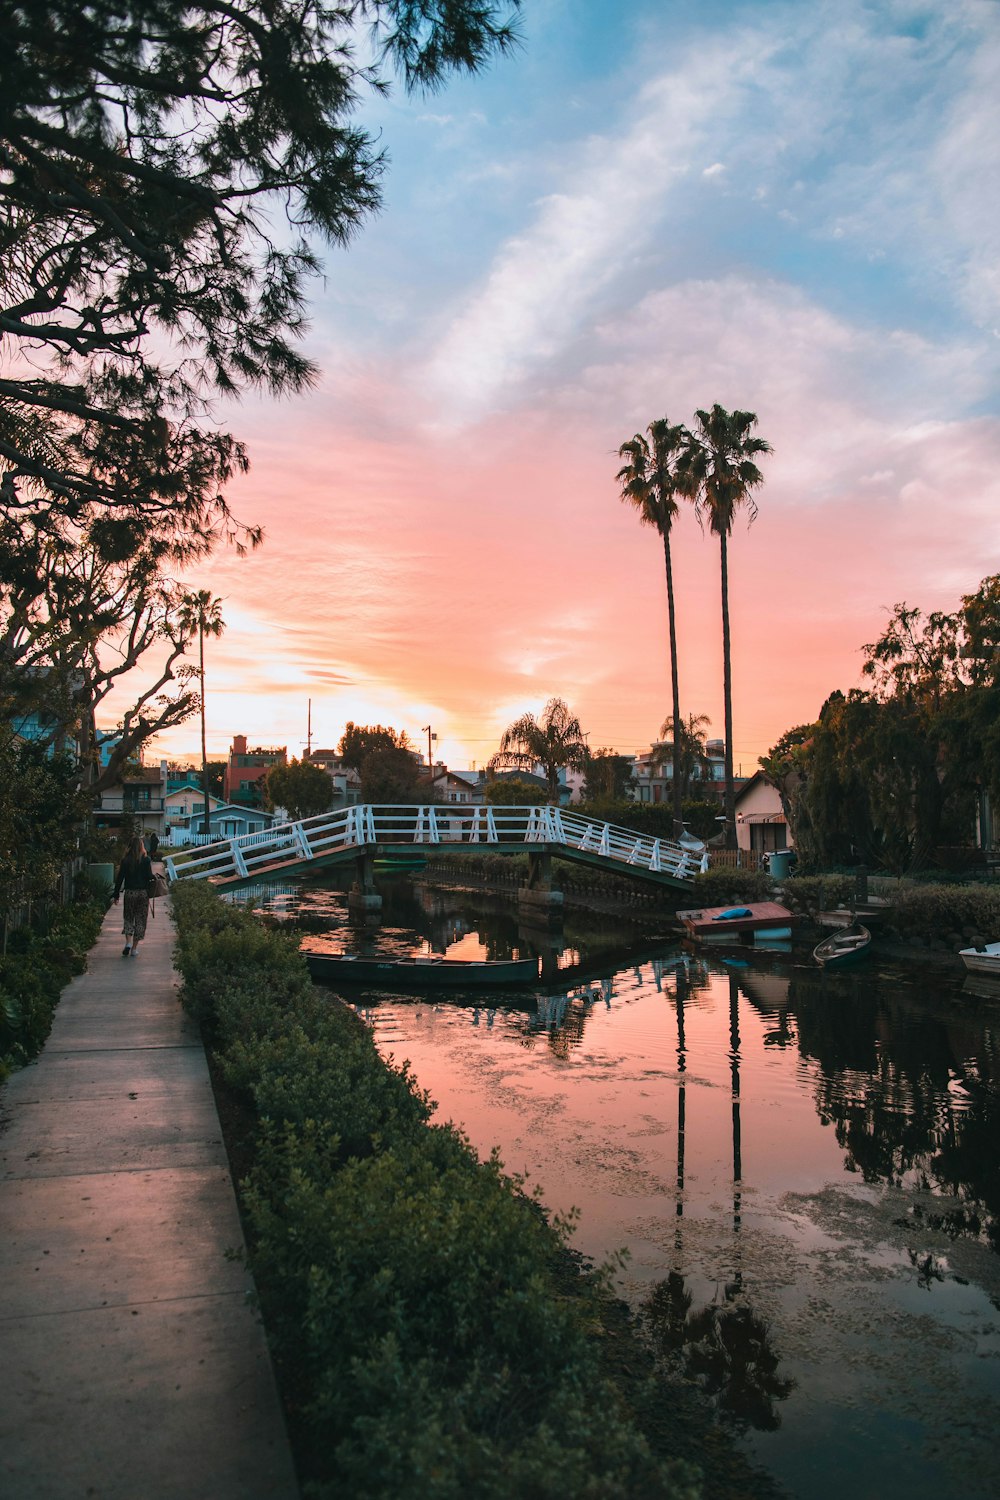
133	1363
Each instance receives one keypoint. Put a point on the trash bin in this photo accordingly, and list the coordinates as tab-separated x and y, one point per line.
780	863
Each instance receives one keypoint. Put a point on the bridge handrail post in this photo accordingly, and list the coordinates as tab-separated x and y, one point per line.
301	841
239	862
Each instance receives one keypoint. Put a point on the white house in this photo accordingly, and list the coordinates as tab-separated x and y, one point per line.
760	818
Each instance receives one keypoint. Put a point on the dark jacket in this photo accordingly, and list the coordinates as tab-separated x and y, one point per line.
134	875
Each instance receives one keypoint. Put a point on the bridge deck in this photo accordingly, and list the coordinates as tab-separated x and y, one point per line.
390	832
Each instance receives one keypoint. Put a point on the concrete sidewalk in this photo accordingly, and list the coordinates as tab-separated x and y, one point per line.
132	1366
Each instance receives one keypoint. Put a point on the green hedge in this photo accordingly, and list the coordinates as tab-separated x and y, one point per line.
815	893
415	1299
715	887
946	912
35	970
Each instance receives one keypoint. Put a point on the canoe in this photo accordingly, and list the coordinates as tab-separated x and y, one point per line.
985	960
844	947
763	918
431	972
400	861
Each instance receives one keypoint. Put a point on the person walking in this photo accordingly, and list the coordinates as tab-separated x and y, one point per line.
135	876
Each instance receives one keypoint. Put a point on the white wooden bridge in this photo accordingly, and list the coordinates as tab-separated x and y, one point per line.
367	832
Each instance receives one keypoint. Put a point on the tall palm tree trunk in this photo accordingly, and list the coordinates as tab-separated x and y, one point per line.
727	690
206	826
674	688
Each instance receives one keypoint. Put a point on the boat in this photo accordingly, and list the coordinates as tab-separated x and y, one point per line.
400	861
984	960
760	918
844	947
424	971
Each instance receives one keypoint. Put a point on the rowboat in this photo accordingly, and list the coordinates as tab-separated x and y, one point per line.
424	972
759	919
985	960
844	947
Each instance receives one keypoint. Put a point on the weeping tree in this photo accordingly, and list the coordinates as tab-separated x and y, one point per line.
552	742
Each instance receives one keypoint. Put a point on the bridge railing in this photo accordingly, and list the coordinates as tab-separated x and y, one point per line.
366	826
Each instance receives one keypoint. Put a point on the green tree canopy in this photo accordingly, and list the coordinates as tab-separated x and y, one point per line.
889	775
392	774
552	742
511	791
302	789
41	815
166	167
360	740
608	775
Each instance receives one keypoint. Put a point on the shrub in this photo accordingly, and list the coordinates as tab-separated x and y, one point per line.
937	910
412	1294
816	893
38	965
719	885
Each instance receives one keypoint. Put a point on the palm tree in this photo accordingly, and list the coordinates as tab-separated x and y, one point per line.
720	473
552	742
694	753
651	480
201	611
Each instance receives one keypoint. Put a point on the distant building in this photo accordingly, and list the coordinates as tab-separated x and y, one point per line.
184	817
760	818
346	780
453	786
246	769
653	773
135	802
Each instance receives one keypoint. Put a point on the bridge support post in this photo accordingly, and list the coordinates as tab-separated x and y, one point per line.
363	899
538	901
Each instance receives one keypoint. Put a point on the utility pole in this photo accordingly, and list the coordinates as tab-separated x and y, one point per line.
309	731
430	739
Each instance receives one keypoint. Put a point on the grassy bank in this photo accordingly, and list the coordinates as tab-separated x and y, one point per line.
432	1332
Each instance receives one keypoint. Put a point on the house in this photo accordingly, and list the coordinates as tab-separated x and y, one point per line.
346	780
246	769
760	818
135	802
653	774
184	816
455	786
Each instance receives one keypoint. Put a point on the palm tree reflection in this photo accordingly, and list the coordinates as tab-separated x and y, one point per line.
725	1346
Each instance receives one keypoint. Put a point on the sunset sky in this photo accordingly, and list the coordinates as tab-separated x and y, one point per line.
789	208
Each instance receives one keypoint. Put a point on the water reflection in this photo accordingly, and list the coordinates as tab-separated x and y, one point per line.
803	1166
725	1346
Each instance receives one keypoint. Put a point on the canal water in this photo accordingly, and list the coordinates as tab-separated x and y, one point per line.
802	1169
